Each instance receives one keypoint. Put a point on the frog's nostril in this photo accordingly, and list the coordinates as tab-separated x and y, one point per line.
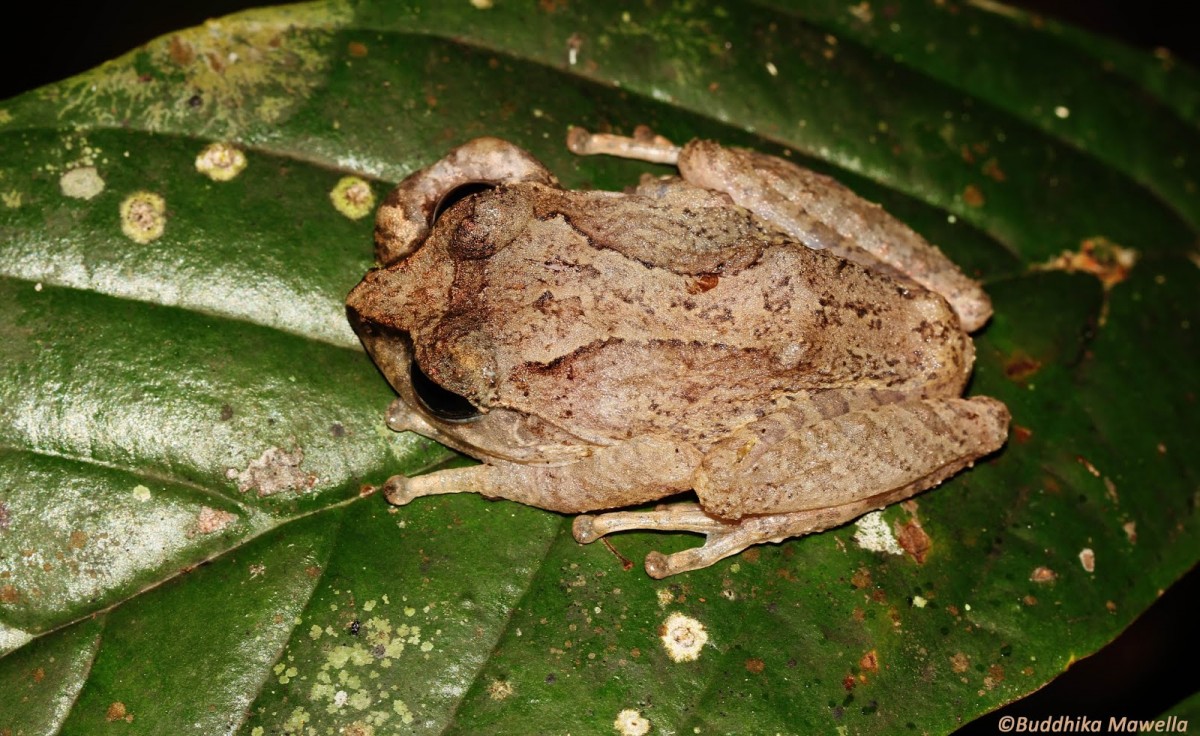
458	194
440	402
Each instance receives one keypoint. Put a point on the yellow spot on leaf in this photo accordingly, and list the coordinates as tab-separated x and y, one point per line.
220	161
401	709
353	197
500	689
296	721
143	217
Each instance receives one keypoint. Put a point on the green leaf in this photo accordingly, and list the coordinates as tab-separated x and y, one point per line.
1187	709
187	422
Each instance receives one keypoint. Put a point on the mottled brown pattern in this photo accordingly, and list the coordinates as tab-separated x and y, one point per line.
753	331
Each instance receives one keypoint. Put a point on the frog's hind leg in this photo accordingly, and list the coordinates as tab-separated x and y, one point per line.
723	538
775	465
823	214
816	210
783	476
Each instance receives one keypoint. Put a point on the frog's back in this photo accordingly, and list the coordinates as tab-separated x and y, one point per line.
616	320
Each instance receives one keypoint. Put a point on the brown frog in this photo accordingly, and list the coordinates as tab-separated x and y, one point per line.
750	330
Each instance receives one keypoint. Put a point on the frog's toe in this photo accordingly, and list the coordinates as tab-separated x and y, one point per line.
584	529
661	566
658	565
398	490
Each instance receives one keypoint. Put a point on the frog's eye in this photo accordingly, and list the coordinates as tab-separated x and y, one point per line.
458	194
441	403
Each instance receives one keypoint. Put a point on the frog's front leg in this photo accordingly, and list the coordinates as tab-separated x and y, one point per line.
779	477
611	477
406	215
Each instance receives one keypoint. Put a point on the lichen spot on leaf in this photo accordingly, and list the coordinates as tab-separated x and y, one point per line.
1043	574
631	723
275	471
353	197
873	534
220	161
82	182
210	520
1087	558
683	637
500	689
143	217
224	77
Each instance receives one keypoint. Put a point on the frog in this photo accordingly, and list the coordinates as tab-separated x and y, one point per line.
743	349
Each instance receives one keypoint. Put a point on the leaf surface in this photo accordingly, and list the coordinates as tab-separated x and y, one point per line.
154	573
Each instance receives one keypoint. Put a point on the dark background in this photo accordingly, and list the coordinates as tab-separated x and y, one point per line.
42	42
1152	666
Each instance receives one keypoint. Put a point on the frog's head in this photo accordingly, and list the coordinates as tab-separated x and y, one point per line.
420	321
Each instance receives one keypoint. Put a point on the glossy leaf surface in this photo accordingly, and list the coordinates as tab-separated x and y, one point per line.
151	579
